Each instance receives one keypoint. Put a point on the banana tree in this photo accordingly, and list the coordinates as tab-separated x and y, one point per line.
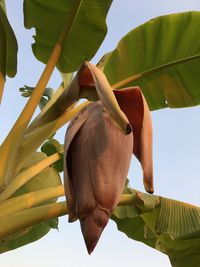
143	72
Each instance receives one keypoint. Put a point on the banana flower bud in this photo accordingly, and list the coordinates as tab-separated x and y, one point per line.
98	146
97	159
130	101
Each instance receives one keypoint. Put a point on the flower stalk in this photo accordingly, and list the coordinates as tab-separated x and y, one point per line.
17	221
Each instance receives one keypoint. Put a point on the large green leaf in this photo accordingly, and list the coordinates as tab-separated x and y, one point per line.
170	226
85	24
163	57
47	178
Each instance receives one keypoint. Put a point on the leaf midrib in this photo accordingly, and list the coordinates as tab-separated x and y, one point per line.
68	29
141	75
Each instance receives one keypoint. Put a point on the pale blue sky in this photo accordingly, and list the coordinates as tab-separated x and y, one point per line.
176	150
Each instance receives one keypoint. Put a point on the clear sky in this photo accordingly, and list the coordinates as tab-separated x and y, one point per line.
176	150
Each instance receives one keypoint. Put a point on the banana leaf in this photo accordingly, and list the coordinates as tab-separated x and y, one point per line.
8	48
27	236
52	146
78	17
162	56
8	45
170	226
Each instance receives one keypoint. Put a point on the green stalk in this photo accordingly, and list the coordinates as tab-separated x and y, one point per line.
27	175
29	200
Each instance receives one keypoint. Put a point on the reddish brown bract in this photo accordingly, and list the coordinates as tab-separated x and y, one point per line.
97	159
133	104
98	148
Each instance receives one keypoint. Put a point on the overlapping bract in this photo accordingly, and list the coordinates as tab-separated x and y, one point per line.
98	159
98	152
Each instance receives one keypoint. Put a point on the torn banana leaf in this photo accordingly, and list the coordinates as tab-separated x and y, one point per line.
170	226
77	16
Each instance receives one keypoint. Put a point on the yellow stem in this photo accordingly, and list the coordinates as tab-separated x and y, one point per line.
2	83
33	101
29	200
28	174
17	221
33	139
53	126
63	87
8	150
31	105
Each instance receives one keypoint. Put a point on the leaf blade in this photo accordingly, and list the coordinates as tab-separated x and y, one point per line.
79	15
175	237
8	45
162	57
